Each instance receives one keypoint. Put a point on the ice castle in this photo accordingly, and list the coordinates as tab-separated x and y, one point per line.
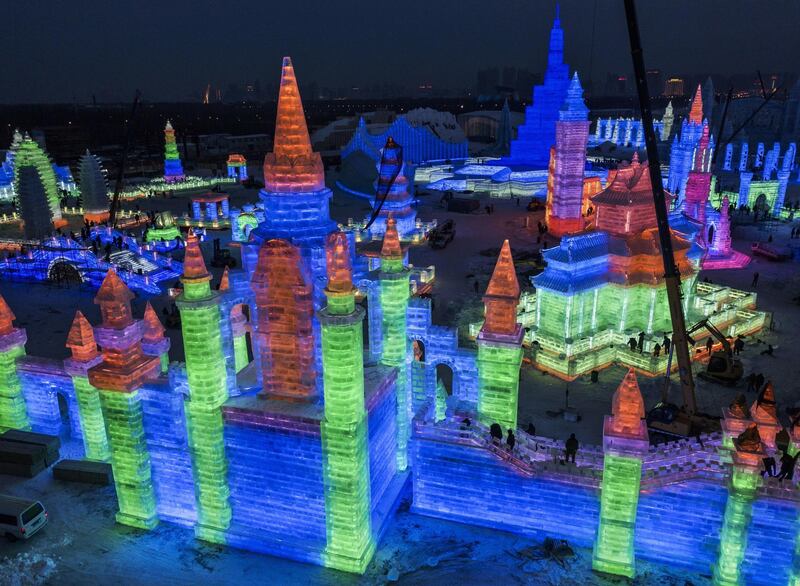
301	448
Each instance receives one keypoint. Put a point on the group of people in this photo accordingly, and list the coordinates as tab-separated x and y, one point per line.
496	435
788	461
637	345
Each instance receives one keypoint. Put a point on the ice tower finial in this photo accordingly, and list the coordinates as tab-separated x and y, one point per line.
114	299
224	282
292	166
153	328
6	318
340	271
391	241
696	113
502	295
555	55
628	405
80	339
194	267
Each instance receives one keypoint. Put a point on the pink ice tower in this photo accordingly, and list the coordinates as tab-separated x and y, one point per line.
565	208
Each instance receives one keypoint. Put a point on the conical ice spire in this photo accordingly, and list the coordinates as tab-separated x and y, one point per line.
702	149
292	166
504	278
738	408
765	410
391	240
153	329
114	299
6	318
80	339
340	272
628	405
502	295
194	267
573	107
224	282
696	113
749	440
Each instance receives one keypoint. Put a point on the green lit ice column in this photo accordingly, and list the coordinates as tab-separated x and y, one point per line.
745	480
350	544
95	442
239	329
394	282
205	368
625	442
13	413
130	460
498	379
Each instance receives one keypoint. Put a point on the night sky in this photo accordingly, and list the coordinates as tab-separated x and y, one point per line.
60	50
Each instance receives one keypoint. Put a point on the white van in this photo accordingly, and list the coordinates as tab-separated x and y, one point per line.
20	518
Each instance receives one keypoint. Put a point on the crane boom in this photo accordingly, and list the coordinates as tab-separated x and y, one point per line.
672	277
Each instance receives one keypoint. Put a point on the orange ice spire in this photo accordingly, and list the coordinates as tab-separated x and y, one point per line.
696	113
340	271
502	296
224	282
292	166
391	240
764	409
153	329
80	339
194	267
627	406
7	318
504	278
114	299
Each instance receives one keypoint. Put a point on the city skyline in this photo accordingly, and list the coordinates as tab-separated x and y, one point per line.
172	55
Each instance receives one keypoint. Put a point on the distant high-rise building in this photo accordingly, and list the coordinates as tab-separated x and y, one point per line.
654	82
674	88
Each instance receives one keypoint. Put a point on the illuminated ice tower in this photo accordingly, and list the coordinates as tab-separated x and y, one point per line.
295	198
94	189
173	170
394	285
13	413
350	544
698	184
500	346
531	148
625	443
565	207
83	346
398	203
205	370
37	194
745	480
118	378
668	120
681	155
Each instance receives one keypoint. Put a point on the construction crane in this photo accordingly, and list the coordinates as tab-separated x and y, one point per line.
112	212
684	420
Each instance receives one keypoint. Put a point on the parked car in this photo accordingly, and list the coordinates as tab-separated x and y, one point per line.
442	235
20	518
